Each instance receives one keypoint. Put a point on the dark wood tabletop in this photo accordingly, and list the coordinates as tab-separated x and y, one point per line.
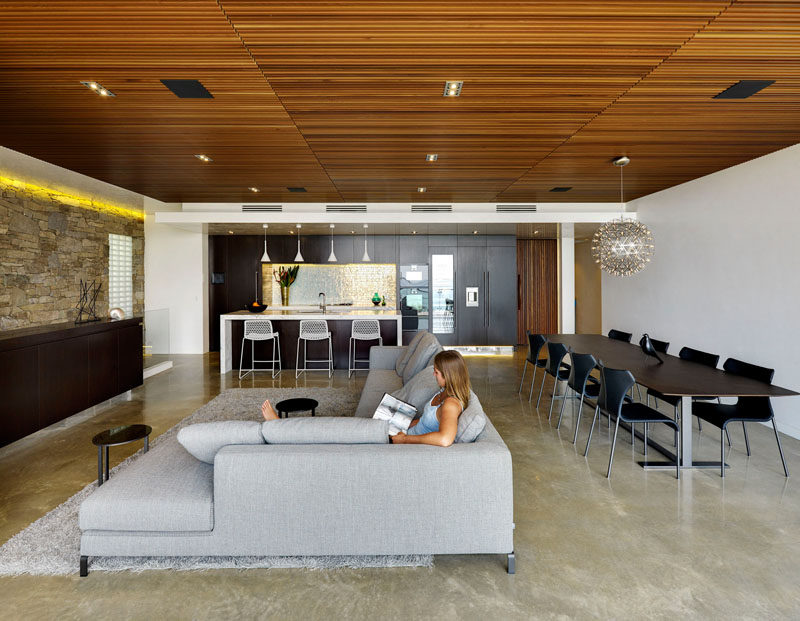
674	377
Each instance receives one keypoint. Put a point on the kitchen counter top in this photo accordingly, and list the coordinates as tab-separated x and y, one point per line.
289	319
339	313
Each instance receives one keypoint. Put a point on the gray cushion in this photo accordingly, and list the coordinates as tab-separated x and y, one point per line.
384	380
400	366
165	490
203	440
419	390
326	430
472	420
427	348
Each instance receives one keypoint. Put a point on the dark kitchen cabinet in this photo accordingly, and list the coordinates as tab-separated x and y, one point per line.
501	295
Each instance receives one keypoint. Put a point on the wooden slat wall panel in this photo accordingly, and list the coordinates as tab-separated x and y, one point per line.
537	270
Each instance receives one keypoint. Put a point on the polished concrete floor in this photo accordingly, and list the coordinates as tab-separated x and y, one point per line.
641	545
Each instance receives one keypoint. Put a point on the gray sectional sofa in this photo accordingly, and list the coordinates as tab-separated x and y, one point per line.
315	499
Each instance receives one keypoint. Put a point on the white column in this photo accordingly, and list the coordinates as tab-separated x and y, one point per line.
566	274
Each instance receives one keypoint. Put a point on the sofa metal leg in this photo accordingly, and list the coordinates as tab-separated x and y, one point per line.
512	563
84	566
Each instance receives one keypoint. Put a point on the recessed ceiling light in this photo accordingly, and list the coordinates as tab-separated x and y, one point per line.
203	158
230	232
97	88
561	189
536	232
421	189
254	189
297	189
743	89
474	232
431	157
452	88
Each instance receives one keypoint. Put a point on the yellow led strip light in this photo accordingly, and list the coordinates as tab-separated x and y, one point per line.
71	199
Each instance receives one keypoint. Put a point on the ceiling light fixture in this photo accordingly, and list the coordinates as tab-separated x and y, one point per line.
622	247
332	257
298	257
431	157
230	232
421	189
203	158
254	189
97	88
474	232
452	88
265	257
366	255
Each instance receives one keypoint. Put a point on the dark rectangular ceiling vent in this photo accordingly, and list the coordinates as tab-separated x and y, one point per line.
561	188
346	208
431	208
297	189
262	208
743	89
515	208
188	89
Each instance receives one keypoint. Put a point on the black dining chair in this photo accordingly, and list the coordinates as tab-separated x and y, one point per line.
614	385
582	384
746	409
691	355
619	335
557	368
535	344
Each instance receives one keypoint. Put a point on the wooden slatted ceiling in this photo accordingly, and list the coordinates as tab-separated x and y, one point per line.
145	138
344	97
668	123
363	82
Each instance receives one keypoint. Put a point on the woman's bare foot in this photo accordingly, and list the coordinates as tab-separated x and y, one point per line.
268	412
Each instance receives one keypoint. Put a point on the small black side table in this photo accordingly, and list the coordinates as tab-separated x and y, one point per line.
295	405
114	437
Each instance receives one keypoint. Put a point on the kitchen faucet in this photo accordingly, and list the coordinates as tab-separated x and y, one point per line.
324	304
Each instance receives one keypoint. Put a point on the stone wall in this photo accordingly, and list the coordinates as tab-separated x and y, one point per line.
49	241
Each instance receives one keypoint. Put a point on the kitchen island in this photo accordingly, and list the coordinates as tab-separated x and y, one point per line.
287	324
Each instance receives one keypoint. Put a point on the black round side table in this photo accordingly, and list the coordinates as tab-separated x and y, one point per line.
114	437
296	405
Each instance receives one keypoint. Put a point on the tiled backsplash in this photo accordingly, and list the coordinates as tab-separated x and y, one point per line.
350	282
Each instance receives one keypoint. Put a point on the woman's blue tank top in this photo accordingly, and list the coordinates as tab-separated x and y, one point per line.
428	423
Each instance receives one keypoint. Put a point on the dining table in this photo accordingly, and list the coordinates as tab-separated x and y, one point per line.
673	377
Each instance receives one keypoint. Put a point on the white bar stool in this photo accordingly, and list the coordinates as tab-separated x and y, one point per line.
361	330
313	330
260	330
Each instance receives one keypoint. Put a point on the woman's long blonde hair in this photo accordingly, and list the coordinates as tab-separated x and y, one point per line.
456	377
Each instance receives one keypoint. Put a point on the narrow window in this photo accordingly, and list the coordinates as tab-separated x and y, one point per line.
120	273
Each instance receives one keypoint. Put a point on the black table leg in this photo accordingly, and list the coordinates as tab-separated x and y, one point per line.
106	463
99	466
146	443
313	410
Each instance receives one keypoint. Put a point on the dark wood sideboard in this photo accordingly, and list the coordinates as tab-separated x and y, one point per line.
48	373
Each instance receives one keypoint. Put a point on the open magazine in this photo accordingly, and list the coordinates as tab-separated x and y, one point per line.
398	413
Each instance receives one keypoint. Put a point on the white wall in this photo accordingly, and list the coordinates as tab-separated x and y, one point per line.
724	277
176	278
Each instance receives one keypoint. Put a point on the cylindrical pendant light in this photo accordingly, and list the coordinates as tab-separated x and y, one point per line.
366	254
265	257
299	257
332	258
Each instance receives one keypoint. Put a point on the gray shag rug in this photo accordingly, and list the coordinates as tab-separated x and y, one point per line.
51	545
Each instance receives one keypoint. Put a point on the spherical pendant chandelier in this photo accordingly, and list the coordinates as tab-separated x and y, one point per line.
622	247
